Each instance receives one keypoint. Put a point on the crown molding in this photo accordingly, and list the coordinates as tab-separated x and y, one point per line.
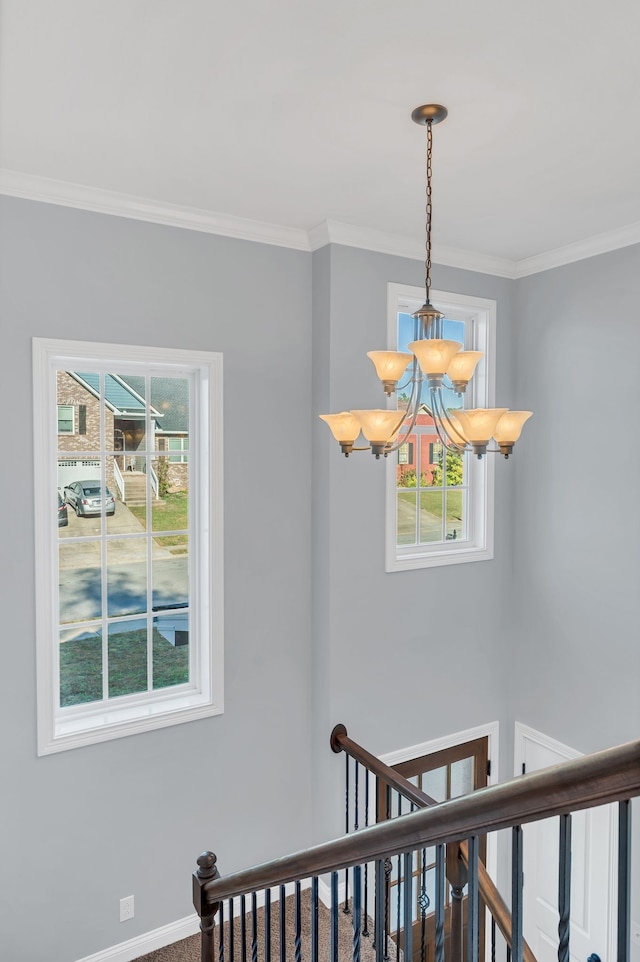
48	191
336	232
598	244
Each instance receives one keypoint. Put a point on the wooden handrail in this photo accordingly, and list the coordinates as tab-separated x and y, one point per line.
607	776
340	741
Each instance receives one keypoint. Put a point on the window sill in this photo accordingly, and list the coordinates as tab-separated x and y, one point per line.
433	559
74	729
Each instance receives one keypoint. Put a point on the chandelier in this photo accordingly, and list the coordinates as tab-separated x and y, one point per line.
436	364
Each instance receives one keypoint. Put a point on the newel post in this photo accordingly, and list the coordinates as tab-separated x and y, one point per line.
206	872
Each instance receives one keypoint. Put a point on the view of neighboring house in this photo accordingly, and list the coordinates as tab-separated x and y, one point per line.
125	431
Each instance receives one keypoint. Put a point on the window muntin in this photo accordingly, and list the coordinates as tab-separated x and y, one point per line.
439	504
65	418
130	631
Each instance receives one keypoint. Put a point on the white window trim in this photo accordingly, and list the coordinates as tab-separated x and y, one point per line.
481	487
83	725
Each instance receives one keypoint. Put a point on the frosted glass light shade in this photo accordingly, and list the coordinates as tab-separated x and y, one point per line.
379	426
390	365
344	427
463	364
478	424
434	355
509	427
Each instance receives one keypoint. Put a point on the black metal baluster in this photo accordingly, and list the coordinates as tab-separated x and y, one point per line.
365	912
407	946
334	918
356	800
424	904
357	911
221	932
232	931
493	939
508	953
473	918
516	894
254	927
564	888
283	924
398	892
439	906
624	880
388	868
243	927
378	912
267	925
314	919
345	908
297	948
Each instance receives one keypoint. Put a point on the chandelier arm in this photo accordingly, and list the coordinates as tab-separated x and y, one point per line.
417	384
444	419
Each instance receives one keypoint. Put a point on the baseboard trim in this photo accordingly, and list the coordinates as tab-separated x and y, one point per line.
147	942
190	924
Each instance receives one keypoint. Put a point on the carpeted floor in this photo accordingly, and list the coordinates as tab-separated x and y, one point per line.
188	950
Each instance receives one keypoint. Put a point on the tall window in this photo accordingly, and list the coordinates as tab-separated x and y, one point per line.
439	502
129	567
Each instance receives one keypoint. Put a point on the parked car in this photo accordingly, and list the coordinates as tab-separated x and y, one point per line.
86	498
63	517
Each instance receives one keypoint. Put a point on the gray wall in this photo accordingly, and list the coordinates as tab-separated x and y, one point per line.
577	528
411	655
85	827
575	663
546	632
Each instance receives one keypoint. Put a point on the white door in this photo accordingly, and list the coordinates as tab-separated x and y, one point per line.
593	842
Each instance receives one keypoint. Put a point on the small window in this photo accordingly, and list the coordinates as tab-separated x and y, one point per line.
65	419
181	446
439	502
129	589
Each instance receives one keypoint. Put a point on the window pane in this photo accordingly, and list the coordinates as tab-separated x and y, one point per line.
79	411
434	783
170	574
170	402
171	513
431	516
406	517
80	666
127	657
126	576
170	649
79	580
126	432
456	502
462	777
454	466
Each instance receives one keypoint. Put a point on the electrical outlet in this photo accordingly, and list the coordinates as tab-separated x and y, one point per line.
635	933
126	908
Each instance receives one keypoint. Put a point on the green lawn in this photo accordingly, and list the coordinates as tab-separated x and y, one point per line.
81	666
170	515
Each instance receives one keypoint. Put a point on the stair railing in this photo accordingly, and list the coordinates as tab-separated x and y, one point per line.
609	776
457	854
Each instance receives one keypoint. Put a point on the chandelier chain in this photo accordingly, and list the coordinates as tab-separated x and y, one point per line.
428	210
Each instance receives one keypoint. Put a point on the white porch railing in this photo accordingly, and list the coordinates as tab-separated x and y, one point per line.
118	478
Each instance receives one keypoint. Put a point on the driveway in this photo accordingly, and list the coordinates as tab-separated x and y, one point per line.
127	575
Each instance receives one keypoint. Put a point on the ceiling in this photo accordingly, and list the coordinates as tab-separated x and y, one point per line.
294	112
